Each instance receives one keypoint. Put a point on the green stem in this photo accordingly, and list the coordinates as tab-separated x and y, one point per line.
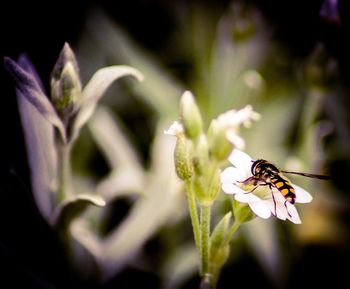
205	232
233	229
63	171
193	213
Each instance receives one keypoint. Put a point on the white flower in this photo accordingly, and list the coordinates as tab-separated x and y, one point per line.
260	200
235	139
233	118
230	121
175	129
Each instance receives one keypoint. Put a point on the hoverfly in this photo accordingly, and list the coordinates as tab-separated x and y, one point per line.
267	174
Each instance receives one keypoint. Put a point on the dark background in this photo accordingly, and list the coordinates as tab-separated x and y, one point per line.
30	255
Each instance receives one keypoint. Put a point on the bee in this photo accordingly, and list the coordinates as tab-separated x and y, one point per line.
265	173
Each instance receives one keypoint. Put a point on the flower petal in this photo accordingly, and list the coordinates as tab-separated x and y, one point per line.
30	88
293	214
258	206
232	175
233	118
175	129
241	161
302	196
232	189
235	139
247	197
95	89
260	209
280	211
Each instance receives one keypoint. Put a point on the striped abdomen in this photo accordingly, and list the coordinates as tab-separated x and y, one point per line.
285	187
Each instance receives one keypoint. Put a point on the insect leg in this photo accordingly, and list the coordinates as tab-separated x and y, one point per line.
274	201
252	190
259	185
249	180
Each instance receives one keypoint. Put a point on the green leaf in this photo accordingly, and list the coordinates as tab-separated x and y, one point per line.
218	238
219	247
242	212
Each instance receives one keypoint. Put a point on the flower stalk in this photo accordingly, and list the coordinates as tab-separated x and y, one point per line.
198	157
205	233
232	230
64	171
193	213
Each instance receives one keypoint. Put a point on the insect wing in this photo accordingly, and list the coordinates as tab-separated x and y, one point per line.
302	196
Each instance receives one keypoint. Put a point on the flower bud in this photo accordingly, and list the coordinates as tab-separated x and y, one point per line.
214	183
190	115
66	84
201	156
220	146
199	186
183	158
208	185
242	212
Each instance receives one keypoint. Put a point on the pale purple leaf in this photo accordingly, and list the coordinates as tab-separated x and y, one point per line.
29	88
42	159
72	207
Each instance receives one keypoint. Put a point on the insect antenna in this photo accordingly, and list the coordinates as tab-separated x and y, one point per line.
321	177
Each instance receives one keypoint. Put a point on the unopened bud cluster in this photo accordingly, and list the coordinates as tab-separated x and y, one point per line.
65	84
